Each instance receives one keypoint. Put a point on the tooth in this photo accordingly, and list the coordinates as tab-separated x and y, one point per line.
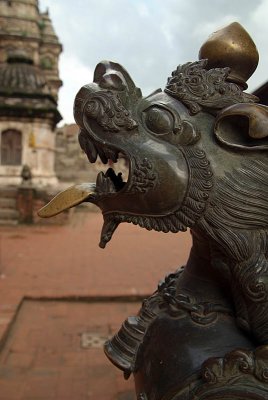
110	154
111	187
119	176
105	185
102	156
110	173
91	151
107	152
114	157
99	180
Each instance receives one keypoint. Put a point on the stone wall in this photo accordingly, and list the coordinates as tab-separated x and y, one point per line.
38	151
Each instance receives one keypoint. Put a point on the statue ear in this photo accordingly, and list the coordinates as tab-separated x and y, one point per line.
243	126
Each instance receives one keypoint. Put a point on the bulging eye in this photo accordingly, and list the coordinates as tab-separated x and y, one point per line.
158	120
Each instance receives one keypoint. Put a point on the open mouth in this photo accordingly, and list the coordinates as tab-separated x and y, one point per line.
114	178
109	181
117	174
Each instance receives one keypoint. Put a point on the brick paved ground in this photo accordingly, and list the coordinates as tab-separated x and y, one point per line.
46	356
64	262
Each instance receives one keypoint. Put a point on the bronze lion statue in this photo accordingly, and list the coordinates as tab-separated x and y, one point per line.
197	155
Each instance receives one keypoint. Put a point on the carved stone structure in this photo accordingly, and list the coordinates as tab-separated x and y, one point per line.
29	84
197	153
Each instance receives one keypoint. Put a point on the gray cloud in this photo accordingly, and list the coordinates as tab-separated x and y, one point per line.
149	37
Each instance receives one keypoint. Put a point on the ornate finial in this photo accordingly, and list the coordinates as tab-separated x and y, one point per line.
231	47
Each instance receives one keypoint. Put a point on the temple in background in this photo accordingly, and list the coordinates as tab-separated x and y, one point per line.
29	85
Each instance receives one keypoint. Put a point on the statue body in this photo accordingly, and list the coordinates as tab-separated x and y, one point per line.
197	155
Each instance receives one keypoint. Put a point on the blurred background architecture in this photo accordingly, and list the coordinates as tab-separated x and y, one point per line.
29	84
37	159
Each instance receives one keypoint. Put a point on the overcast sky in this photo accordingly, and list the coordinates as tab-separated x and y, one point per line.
148	37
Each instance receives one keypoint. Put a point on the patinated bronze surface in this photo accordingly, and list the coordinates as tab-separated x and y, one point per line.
197	155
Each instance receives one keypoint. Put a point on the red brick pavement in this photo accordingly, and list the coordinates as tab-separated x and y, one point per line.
45	358
65	262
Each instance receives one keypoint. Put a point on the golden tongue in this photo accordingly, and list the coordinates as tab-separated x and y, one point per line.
68	198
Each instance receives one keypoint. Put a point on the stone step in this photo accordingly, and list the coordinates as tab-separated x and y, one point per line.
8	192
7	202
8	222
8	214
